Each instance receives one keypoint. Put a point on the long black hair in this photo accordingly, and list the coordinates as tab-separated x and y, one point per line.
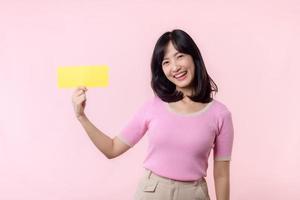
202	84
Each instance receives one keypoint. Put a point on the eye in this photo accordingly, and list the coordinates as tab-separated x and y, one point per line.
166	62
180	56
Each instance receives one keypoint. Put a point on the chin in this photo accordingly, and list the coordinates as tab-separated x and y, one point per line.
183	84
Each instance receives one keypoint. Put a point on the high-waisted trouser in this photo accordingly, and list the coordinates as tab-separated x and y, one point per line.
154	187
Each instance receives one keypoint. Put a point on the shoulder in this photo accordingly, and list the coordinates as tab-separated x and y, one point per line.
221	108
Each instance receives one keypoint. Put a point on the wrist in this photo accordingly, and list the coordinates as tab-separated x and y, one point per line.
81	117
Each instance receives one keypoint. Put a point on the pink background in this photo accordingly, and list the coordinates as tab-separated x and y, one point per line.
250	49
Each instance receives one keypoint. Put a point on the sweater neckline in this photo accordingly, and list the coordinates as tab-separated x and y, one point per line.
199	112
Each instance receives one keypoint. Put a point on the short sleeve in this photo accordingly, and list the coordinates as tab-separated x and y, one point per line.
136	126
224	138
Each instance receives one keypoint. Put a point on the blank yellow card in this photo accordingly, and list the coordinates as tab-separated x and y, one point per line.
89	76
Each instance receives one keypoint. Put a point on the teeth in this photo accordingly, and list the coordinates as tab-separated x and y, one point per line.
179	75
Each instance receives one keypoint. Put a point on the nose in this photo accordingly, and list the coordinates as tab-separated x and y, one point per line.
175	67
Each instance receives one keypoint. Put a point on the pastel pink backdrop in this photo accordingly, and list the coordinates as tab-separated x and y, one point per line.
250	49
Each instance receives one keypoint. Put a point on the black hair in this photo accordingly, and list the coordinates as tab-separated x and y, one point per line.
202	84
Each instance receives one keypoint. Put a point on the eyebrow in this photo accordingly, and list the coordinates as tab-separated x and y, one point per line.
173	55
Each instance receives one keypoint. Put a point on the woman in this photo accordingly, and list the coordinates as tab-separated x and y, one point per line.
183	123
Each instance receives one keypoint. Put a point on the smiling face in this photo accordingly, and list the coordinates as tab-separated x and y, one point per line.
179	68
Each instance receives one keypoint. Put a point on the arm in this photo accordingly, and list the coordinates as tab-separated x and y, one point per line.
111	148
221	173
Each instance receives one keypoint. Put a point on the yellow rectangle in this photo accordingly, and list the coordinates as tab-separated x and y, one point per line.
89	76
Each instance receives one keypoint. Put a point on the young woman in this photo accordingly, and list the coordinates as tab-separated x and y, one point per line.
183	124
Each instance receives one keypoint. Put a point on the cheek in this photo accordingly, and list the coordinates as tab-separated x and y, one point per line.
192	70
186	63
190	65
166	71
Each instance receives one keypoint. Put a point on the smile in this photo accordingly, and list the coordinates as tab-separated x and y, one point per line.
181	76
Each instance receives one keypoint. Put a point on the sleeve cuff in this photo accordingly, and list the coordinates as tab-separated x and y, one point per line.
124	141
228	158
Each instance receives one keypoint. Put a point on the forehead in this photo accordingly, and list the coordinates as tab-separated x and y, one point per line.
169	50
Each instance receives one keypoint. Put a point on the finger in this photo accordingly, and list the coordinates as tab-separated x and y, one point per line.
78	88
83	88
77	92
82	96
81	91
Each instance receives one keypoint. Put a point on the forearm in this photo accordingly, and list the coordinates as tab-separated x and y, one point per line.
222	187
101	141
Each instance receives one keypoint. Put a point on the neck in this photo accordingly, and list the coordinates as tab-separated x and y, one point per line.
186	92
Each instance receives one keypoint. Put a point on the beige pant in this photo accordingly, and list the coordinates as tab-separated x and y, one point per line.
155	187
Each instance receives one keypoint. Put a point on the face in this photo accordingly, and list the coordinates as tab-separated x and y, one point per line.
179	68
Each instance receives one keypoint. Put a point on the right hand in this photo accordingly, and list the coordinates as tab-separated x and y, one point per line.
79	101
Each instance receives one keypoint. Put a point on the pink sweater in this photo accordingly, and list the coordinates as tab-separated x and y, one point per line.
180	144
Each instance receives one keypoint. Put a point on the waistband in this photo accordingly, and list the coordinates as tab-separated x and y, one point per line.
151	175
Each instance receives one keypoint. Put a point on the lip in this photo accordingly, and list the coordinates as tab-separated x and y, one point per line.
179	73
182	77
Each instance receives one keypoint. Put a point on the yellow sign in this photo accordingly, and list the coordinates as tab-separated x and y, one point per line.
89	76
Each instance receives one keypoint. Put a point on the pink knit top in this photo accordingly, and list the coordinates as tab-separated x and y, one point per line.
180	144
